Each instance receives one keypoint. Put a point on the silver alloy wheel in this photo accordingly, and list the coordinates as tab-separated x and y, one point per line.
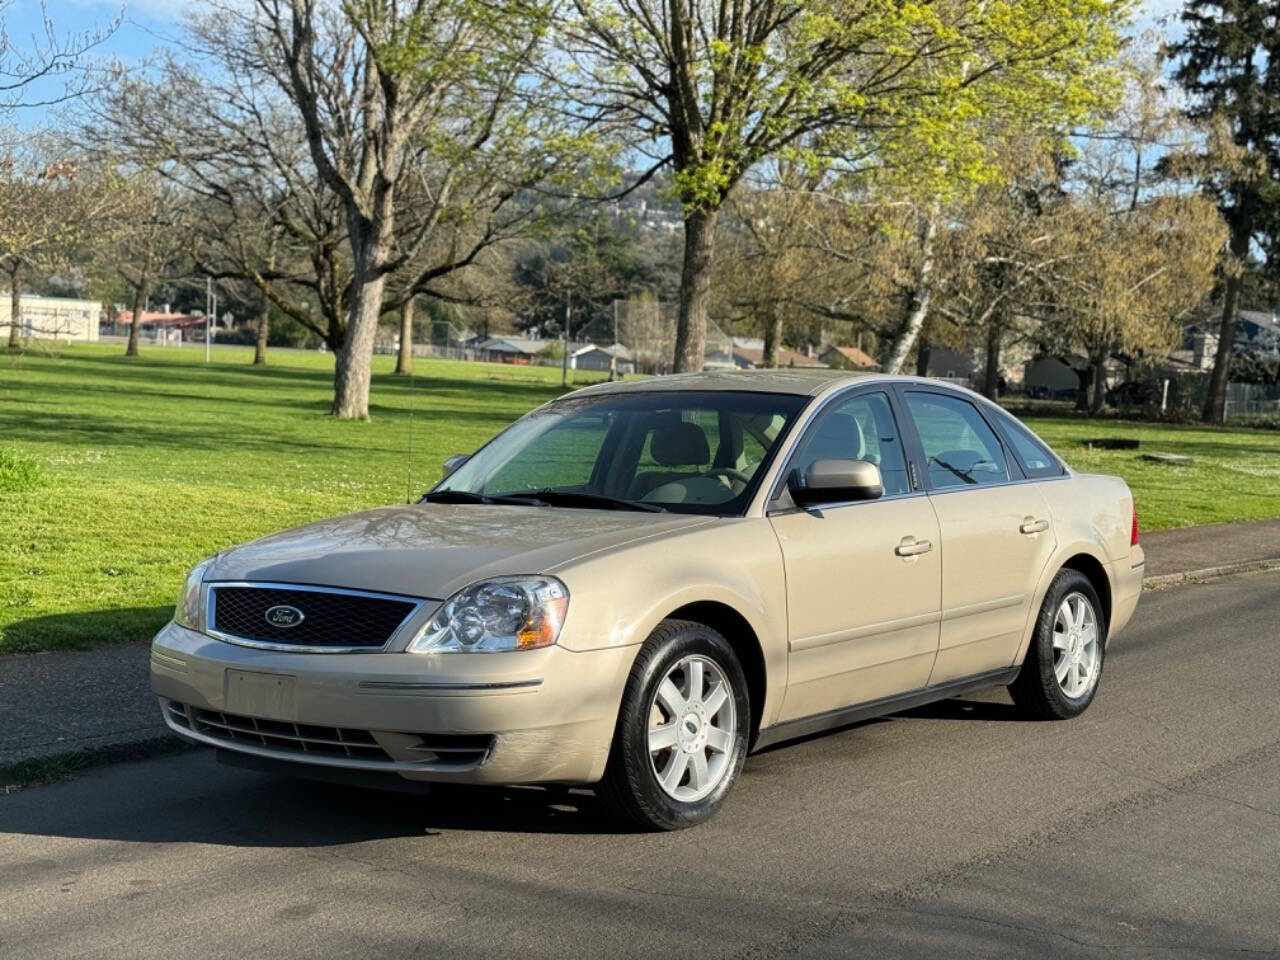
693	729
1076	654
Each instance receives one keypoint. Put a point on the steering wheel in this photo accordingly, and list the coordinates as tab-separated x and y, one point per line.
730	472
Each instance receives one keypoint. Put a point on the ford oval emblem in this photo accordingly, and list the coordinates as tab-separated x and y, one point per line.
284	616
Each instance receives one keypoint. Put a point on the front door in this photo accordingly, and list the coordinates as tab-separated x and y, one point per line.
997	535
863	579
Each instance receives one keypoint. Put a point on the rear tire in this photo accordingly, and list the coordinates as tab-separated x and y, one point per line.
682	730
1060	675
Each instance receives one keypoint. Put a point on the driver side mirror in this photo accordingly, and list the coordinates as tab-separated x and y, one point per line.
454	462
837	481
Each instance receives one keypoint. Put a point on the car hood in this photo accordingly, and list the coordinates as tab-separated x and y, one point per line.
433	550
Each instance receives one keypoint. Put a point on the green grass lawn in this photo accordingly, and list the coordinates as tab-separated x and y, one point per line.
143	467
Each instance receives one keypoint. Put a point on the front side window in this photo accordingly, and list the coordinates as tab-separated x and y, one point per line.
960	449
860	428
682	451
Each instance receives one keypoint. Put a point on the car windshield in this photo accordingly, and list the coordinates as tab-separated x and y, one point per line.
685	452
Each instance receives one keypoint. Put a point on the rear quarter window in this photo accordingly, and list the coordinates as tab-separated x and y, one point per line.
1036	459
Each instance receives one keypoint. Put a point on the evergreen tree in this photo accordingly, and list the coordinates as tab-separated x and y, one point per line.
1227	64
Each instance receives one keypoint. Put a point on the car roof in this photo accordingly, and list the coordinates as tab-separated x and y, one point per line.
795	381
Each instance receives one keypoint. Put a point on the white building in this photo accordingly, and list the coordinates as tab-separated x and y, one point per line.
52	318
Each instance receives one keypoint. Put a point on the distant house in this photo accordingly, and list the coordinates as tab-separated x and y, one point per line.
848	358
163	326
521	350
1050	378
1257	331
747	355
52	318
613	357
948	364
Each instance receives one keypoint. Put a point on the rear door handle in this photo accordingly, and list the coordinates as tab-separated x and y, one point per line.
910	547
1034	526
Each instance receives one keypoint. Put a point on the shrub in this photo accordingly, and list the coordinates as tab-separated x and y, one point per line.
18	474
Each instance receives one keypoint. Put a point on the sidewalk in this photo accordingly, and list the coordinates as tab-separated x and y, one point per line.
100	703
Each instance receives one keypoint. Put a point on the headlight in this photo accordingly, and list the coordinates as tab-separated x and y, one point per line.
187	613
507	613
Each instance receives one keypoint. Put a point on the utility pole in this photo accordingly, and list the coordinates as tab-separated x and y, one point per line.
613	350
564	359
208	309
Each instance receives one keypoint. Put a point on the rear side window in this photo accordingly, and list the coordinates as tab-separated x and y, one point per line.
960	449
1036	459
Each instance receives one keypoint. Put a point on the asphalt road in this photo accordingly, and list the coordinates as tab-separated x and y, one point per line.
1150	827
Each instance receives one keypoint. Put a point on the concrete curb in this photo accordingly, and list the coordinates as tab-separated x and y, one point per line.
1209	573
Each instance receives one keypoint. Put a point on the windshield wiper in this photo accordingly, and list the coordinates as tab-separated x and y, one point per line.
456	496
576	498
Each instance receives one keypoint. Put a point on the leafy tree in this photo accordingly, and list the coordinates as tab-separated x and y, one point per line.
50	201
144	241
768	268
716	89
1227	64
591	260
384	140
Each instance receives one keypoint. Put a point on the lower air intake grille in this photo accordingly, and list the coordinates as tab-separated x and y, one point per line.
302	738
318	743
293	617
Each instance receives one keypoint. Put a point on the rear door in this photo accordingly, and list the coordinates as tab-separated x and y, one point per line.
996	532
863	578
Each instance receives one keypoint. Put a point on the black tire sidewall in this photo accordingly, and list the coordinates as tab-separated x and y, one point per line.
1056	700
673	641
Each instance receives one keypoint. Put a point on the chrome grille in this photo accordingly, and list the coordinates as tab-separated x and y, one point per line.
330	619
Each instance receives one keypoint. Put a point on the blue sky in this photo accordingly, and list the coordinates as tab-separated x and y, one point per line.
146	23
144	19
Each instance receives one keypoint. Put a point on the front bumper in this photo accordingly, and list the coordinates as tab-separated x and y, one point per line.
544	716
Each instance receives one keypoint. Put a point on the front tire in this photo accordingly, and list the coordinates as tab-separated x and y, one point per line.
1060	675
682	730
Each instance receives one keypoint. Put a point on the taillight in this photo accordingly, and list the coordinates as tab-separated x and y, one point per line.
1133	531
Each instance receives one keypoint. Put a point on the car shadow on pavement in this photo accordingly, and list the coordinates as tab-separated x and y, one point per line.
966	710
190	798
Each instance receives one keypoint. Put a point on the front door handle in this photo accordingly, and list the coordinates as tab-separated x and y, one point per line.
1034	526
911	547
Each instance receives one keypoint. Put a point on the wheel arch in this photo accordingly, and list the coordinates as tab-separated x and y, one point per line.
1086	559
1093	571
737	629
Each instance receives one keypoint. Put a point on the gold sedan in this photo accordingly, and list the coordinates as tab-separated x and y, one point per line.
638	584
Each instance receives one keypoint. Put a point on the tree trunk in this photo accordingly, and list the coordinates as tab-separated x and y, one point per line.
991	376
921	296
135	323
772	337
695	290
1215	404
923	350
15	313
354	362
1098	395
404	359
1083	378
264	327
